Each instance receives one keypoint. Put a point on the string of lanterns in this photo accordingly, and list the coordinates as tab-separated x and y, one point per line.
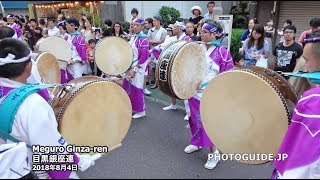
71	4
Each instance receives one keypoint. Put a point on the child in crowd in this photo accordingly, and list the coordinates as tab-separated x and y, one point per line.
238	59
90	56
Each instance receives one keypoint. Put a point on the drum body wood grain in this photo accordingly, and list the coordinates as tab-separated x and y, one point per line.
181	68
247	111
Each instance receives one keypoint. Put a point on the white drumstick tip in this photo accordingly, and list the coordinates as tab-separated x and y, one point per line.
95	157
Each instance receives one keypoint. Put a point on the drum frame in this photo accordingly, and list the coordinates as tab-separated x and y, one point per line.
164	66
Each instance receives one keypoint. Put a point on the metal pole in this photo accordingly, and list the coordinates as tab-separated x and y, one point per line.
2	9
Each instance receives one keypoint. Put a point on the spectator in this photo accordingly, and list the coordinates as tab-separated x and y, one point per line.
314	25
246	34
222	37
42	24
148	24
210	14
255	47
134	14
269	33
107	30
280	32
87	31
196	11
52	29
190	31
286	53
90	55
117	30
35	33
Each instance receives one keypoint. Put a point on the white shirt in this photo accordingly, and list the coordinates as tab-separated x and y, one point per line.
54	31
34	122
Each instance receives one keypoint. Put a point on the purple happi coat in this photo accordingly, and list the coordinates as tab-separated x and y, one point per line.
80	43
134	86
218	60
302	141
18	29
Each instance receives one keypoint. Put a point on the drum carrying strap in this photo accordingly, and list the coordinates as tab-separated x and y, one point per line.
11	104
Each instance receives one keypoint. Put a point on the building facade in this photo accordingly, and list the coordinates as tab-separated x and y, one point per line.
15	7
300	12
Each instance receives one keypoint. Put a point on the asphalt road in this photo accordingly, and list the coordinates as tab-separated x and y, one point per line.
153	148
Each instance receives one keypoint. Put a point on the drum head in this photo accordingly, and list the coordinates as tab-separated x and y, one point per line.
48	68
113	55
242	113
58	46
99	114
188	70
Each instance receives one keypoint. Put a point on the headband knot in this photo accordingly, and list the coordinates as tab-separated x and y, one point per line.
10	59
211	28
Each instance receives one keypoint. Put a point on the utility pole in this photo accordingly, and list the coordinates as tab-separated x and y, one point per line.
2	9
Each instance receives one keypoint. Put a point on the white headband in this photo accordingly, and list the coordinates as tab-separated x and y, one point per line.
181	25
10	59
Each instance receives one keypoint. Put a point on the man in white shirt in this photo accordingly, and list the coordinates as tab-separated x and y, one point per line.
52	29
209	15
156	36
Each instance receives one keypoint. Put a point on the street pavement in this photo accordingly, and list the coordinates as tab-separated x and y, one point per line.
153	148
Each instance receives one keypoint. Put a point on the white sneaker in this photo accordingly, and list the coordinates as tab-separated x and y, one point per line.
188	126
186	118
191	148
212	163
146	91
139	115
171	107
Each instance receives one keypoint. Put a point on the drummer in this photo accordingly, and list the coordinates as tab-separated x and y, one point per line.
78	46
301	141
34	78
218	60
34	121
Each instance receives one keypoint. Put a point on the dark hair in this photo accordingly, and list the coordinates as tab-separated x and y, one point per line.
91	41
16	16
114	31
5	19
259	29
315	22
291	27
150	20
108	22
134	10
18	48
237	57
22	20
255	20
63	26
288	21
210	2
51	19
35	20
73	21
6	32
26	16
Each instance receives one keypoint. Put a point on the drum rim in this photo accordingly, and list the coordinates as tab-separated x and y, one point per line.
63	40
175	55
57	63
169	66
273	87
113	37
67	101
